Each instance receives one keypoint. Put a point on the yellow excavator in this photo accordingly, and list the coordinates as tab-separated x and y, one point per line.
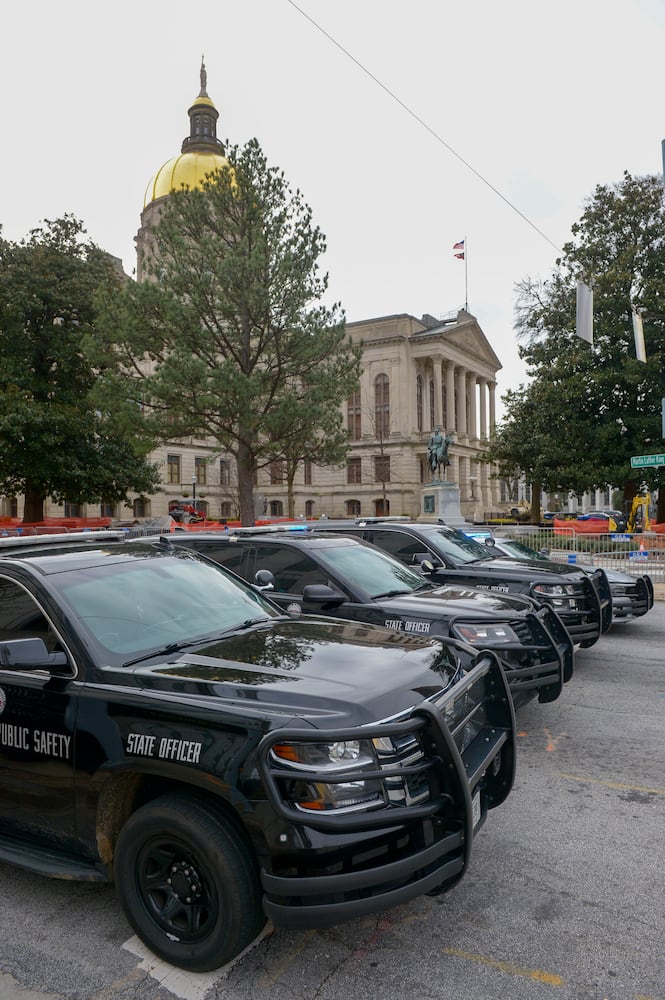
640	503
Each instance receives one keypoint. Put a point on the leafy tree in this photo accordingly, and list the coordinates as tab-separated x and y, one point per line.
229	338
54	441
588	409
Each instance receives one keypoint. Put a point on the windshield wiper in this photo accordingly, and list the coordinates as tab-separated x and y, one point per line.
171	647
176	647
391	593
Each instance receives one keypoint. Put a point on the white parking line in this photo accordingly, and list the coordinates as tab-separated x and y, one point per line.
187	985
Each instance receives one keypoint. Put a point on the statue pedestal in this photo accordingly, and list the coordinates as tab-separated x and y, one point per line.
440	499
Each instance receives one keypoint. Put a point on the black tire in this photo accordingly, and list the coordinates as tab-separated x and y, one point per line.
187	883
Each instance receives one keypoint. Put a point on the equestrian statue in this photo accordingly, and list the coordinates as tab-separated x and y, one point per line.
437	451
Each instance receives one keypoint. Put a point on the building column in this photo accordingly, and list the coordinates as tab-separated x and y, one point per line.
461	402
436	378
492	389
451	423
482	430
473	424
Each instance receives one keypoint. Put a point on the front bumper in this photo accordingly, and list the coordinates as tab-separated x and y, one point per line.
454	759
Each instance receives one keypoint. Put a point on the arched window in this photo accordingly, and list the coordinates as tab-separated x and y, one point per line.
276	508
309	508
352	508
353	422
419	402
381	507
382	407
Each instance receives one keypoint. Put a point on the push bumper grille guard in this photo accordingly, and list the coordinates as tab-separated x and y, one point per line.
602	589
640	595
417	848
583	621
550	654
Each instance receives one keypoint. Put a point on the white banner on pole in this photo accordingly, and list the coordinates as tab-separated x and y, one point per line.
584	317
638	331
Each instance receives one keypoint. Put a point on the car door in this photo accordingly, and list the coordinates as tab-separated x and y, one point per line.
38	710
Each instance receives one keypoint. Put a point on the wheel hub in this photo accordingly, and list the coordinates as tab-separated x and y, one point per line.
184	882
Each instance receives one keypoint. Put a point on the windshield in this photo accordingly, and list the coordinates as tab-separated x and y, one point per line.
455	544
378	574
148	601
511	547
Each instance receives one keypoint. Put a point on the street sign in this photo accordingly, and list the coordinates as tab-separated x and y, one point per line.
643	461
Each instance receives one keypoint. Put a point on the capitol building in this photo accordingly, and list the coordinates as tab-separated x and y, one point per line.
418	374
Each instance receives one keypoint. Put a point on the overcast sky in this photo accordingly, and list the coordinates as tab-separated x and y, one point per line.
543	101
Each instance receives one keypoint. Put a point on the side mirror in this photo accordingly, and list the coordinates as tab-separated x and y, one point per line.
321	593
29	654
489	541
424	561
264	579
544	553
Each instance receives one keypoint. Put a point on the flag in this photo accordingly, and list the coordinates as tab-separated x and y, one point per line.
460	256
458	246
584	317
638	332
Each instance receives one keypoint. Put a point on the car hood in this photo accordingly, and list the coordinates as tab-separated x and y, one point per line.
518	569
329	672
453	601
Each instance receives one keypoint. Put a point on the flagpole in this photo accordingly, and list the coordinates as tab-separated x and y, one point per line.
466	275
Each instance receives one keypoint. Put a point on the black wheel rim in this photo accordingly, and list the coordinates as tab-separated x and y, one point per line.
177	890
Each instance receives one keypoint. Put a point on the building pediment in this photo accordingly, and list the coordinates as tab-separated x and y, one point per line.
460	336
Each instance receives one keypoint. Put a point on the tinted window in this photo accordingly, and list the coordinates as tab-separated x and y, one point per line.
399	544
293	570
229	556
22	618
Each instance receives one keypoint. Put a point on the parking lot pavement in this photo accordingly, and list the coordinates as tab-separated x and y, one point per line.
564	898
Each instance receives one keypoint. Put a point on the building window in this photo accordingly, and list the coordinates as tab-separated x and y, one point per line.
276	508
309	508
431	403
173	468
381	507
73	509
352	508
307	471
276	473
141	507
224	472
353	470
353	421
225	509
382	407
107	508
201	471
382	468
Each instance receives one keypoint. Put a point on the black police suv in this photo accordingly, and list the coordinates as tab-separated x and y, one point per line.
632	594
164	726
346	578
447	555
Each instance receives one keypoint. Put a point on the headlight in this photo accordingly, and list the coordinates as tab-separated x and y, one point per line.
486	635
554	589
325	760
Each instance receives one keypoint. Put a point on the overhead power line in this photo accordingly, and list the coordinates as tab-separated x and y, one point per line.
423	124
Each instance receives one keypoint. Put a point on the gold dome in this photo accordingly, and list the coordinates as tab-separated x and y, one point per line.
187	170
201	152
